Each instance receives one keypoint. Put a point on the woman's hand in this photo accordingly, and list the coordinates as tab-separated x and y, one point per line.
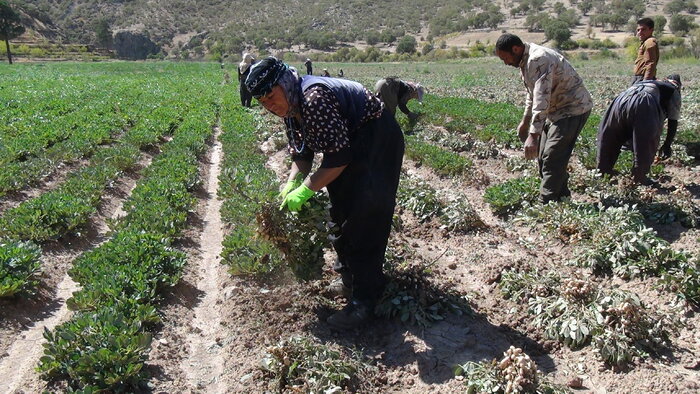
296	198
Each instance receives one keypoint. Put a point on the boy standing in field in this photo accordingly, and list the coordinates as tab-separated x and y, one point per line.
556	109
648	53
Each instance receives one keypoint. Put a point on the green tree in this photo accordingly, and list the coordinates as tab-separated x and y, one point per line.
585	6
557	30
536	21
10	26
387	36
695	43
407	44
372	37
103	33
675	6
681	24
659	24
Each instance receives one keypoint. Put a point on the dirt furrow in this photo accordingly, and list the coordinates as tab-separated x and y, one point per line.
204	364
22	341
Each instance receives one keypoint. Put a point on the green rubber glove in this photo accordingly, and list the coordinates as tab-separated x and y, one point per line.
296	198
291	185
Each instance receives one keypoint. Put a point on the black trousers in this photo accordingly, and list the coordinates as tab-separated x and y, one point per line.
363	198
246	97
635	114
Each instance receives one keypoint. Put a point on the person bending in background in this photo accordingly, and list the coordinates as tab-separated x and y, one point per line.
326	73
243	70
556	110
395	92
362	147
638	114
648	52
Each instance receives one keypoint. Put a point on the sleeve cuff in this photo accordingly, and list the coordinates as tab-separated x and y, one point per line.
306	156
337	159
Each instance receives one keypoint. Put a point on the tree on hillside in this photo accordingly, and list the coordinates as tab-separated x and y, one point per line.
536	21
695	43
372	37
10	26
676	6
659	24
558	30
387	36
407	44
681	24
103	33
585	6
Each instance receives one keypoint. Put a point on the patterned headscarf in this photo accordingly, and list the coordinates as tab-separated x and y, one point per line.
269	72
264	75
417	89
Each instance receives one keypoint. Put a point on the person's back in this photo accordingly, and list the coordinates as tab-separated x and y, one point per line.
396	93
568	94
638	115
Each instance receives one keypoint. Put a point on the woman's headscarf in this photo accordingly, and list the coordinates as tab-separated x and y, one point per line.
248	59
417	89
269	72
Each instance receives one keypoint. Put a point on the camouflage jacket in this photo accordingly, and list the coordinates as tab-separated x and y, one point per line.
554	89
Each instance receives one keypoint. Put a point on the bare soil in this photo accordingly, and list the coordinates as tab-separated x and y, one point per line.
217	327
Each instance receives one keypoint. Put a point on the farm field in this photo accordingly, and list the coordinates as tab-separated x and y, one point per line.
142	251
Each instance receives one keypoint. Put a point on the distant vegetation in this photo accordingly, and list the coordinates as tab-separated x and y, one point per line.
214	28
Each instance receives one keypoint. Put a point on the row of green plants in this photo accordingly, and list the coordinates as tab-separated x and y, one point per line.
67	208
105	345
50	128
443	161
53	215
86	136
244	185
494	122
509	197
264	238
64	209
44	115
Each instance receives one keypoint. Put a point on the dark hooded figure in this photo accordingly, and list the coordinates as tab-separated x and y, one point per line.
638	114
243	70
309	66
362	147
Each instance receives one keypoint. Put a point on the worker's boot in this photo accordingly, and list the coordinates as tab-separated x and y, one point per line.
354	315
338	288
342	286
